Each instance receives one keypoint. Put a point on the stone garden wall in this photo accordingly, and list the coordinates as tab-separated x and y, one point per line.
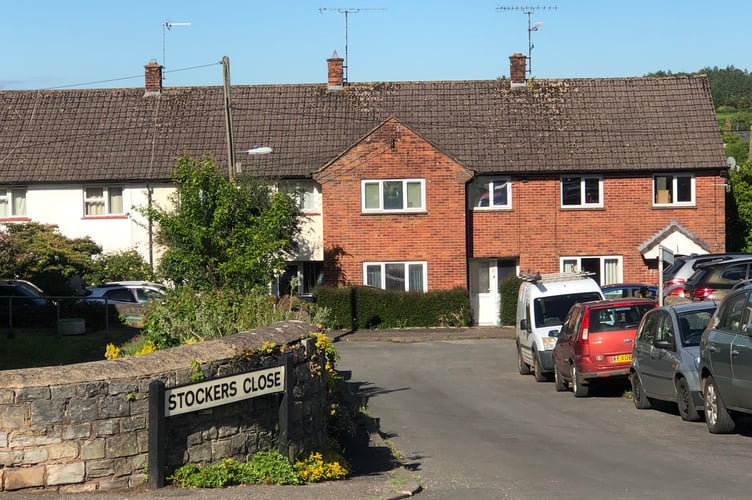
84	427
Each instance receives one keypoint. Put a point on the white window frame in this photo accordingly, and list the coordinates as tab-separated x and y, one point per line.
573	263
306	194
382	273
105	200
14	201
489	185
583	191
380	183
670	191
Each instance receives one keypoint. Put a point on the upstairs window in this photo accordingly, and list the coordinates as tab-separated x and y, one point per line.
492	193
581	191
406	276
101	200
674	189
398	195
12	202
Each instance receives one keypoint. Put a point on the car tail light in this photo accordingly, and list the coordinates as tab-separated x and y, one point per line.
675	281
700	293
585	325
676	292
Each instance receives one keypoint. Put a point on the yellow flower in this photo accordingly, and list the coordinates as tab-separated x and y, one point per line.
112	352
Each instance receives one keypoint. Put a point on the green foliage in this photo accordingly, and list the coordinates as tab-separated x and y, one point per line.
739	209
509	288
223	235
363	307
736	147
118	266
266	467
41	254
187	316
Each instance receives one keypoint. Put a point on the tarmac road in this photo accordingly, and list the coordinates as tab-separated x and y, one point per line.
376	473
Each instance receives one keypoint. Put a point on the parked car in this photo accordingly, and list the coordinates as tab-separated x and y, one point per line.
666	357
726	362
623	290
595	342
124	292
713	280
22	303
684	266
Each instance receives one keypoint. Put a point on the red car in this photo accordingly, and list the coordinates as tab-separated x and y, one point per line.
596	342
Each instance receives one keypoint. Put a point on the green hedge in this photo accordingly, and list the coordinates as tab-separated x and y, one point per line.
509	288
361	307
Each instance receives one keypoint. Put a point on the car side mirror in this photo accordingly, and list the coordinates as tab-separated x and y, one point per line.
524	325
554	333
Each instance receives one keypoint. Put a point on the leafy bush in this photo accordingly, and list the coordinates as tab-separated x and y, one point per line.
266	467
509	288
118	266
187	316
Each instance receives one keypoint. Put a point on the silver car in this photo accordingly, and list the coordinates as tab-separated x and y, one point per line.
666	357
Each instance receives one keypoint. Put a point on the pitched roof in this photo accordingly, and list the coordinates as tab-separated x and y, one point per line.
547	126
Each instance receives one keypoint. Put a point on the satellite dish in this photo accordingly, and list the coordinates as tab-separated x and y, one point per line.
731	162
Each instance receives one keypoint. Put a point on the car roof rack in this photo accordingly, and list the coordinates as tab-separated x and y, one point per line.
549	277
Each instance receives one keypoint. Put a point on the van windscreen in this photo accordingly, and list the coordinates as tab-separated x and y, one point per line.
551	311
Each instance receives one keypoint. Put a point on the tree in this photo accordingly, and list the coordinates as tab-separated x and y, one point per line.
223	235
739	209
41	254
118	266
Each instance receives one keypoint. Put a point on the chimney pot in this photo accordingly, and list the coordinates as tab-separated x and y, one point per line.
336	78
153	77
517	69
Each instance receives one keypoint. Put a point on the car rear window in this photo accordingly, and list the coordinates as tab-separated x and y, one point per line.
604	319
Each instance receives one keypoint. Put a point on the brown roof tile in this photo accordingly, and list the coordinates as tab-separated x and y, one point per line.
549	126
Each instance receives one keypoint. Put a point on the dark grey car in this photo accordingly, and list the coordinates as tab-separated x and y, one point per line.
726	362
666	356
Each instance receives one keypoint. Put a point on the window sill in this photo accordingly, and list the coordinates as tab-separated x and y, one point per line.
492	209
395	212
674	205
15	219
104	217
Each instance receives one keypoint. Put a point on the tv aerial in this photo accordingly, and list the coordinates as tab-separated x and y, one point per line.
530	28
167	26
346	11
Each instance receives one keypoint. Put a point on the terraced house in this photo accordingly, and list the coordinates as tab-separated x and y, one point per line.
408	185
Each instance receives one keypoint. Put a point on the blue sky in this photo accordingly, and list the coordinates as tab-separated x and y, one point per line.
88	44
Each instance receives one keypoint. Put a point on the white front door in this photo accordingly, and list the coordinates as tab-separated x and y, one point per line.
484	291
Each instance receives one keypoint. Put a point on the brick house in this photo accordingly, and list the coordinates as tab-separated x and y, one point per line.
408	185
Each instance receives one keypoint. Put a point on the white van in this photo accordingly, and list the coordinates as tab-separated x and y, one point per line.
543	303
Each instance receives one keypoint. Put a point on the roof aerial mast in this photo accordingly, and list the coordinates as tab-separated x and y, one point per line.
346	11
530	28
167	26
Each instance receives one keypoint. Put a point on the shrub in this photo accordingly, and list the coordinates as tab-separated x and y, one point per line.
370	308
187	316
509	288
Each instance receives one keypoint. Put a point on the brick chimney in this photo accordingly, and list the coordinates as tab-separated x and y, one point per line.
153	77
336	78
517	69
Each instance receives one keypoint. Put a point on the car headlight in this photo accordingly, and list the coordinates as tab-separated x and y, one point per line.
697	363
549	342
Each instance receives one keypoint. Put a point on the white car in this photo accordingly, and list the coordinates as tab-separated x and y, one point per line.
125	292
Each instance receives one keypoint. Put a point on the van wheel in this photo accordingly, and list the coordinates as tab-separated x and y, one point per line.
579	389
716	416
640	400
687	409
559	382
523	367
537	371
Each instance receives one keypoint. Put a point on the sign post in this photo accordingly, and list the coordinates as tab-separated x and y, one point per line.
665	256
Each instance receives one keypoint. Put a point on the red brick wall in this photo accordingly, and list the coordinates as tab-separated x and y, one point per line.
437	236
539	231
